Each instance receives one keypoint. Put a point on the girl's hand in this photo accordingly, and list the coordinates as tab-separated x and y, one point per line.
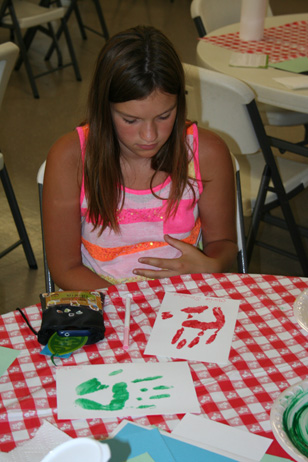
191	261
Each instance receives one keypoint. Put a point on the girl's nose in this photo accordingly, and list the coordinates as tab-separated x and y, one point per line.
148	132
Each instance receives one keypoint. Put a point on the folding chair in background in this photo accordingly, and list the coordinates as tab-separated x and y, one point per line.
227	106
8	55
19	15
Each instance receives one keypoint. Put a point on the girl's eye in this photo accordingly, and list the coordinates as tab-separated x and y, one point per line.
164	117
129	121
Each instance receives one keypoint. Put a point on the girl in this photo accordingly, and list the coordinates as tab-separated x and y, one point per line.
128	195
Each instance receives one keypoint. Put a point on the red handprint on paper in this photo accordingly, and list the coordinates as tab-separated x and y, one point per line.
201	326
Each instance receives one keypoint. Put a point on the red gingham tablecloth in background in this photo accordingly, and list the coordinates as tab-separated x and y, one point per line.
280	43
268	354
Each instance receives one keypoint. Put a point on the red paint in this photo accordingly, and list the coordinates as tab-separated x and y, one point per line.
178	334
201	326
195	309
194	342
166	315
181	344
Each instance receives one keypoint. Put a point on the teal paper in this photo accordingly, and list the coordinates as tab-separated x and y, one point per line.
7	356
142	458
160	447
296	65
270	458
46	351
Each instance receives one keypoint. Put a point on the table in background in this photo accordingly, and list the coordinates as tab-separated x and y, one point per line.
285	37
268	354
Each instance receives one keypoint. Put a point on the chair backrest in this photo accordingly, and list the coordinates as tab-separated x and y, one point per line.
218	102
8	56
213	14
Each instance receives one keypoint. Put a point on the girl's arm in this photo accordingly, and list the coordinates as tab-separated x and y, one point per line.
217	214
61	217
217	204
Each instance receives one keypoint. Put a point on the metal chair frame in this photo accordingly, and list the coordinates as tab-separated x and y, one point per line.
7	10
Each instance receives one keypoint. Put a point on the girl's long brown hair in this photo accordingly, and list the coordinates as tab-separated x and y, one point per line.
131	65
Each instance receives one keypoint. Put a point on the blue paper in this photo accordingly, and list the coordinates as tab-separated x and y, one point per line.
135	440
182	452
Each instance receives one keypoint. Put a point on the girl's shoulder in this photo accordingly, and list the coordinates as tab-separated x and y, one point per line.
66	148
214	153
64	157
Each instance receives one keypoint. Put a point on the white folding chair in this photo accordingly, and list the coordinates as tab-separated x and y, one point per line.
209	15
227	106
8	55
19	15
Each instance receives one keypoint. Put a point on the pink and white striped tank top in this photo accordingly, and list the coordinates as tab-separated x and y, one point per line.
143	224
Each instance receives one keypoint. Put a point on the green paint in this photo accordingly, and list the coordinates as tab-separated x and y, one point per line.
162	387
295	420
90	386
120	393
147	379
63	345
146	406
160	396
116	372
119	398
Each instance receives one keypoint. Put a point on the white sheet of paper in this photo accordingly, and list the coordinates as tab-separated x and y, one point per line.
299	82
248	59
130	389
194	327
228	441
47	437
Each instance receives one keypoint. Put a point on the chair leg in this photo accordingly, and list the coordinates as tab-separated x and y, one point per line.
305	140
101	19
49	284
79	21
56	44
71	49
27	39
257	213
67	15
63	28
23	52
24	239
242	260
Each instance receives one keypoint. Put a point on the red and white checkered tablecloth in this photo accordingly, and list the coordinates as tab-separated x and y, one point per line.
280	43
268	354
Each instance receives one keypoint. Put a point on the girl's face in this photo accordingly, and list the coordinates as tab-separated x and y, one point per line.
143	126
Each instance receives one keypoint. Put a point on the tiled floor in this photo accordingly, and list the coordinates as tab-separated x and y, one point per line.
29	127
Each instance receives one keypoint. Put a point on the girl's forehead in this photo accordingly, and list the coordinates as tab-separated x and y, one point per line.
157	103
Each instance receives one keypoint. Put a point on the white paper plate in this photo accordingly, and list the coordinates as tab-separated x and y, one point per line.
79	450
300	309
297	395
